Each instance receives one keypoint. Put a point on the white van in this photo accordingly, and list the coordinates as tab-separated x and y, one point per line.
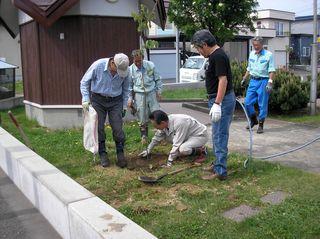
193	69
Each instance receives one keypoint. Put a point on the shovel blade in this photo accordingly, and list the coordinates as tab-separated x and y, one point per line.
147	179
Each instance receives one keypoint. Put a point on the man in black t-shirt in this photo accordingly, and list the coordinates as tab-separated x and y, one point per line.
221	96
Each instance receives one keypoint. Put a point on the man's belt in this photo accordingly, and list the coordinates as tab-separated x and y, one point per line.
259	78
108	98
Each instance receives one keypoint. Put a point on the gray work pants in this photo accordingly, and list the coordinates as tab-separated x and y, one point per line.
111	106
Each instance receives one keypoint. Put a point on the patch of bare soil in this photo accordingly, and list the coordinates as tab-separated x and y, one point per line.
155	161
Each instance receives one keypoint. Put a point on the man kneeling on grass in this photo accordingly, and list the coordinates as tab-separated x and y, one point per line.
187	135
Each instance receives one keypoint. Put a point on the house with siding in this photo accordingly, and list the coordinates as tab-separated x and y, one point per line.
60	39
301	39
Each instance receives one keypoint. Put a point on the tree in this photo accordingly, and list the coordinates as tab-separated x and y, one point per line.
223	18
143	19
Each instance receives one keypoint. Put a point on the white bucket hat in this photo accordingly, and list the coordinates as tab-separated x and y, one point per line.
122	62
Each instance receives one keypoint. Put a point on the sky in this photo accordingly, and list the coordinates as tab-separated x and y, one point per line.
300	7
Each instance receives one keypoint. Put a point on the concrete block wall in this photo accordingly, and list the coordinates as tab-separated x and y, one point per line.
11	102
72	210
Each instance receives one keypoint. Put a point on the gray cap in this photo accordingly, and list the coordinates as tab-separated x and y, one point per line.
203	36
122	62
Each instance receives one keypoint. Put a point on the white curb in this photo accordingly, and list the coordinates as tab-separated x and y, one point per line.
72	210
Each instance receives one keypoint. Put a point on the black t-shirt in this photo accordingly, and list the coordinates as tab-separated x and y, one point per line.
219	65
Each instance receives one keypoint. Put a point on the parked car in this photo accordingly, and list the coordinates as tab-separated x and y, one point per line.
193	69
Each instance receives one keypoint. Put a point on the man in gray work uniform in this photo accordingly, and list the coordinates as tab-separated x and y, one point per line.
107	80
145	89
187	135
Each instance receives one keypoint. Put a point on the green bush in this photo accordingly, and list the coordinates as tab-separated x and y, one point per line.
288	93
238	70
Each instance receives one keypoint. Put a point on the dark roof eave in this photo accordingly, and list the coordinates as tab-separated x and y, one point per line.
11	33
38	14
162	13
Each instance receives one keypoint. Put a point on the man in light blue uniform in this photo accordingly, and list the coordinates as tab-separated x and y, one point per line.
145	87
261	70
107	81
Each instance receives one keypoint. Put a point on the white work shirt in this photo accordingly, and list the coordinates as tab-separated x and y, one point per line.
180	128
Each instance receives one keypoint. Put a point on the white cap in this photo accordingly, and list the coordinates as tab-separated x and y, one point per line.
122	62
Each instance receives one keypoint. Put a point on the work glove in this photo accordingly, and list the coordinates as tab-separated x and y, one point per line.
243	82
124	111
144	153
269	86
85	105
215	112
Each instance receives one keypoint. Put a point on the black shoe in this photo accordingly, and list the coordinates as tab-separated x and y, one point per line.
253	121
122	162
260	128
104	160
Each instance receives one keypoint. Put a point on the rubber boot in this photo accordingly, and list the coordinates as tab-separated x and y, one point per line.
121	160
144	134
260	128
104	160
253	121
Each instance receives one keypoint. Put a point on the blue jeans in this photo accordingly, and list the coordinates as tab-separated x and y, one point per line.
257	92
220	133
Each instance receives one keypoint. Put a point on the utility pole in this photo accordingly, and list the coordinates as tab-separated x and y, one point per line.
177	56
314	66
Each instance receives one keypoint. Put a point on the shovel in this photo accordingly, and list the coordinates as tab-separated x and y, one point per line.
147	179
23	135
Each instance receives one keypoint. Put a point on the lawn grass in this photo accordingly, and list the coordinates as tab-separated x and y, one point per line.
184	206
300	118
19	87
199	93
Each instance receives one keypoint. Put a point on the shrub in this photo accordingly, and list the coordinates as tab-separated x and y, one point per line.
238	70
288	93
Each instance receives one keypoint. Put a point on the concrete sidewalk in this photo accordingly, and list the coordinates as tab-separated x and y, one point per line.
279	136
18	218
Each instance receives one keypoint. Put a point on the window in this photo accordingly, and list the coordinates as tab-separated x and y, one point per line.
279	28
258	24
305	51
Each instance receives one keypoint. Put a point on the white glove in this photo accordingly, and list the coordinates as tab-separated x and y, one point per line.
85	105
269	86
215	112
144	153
